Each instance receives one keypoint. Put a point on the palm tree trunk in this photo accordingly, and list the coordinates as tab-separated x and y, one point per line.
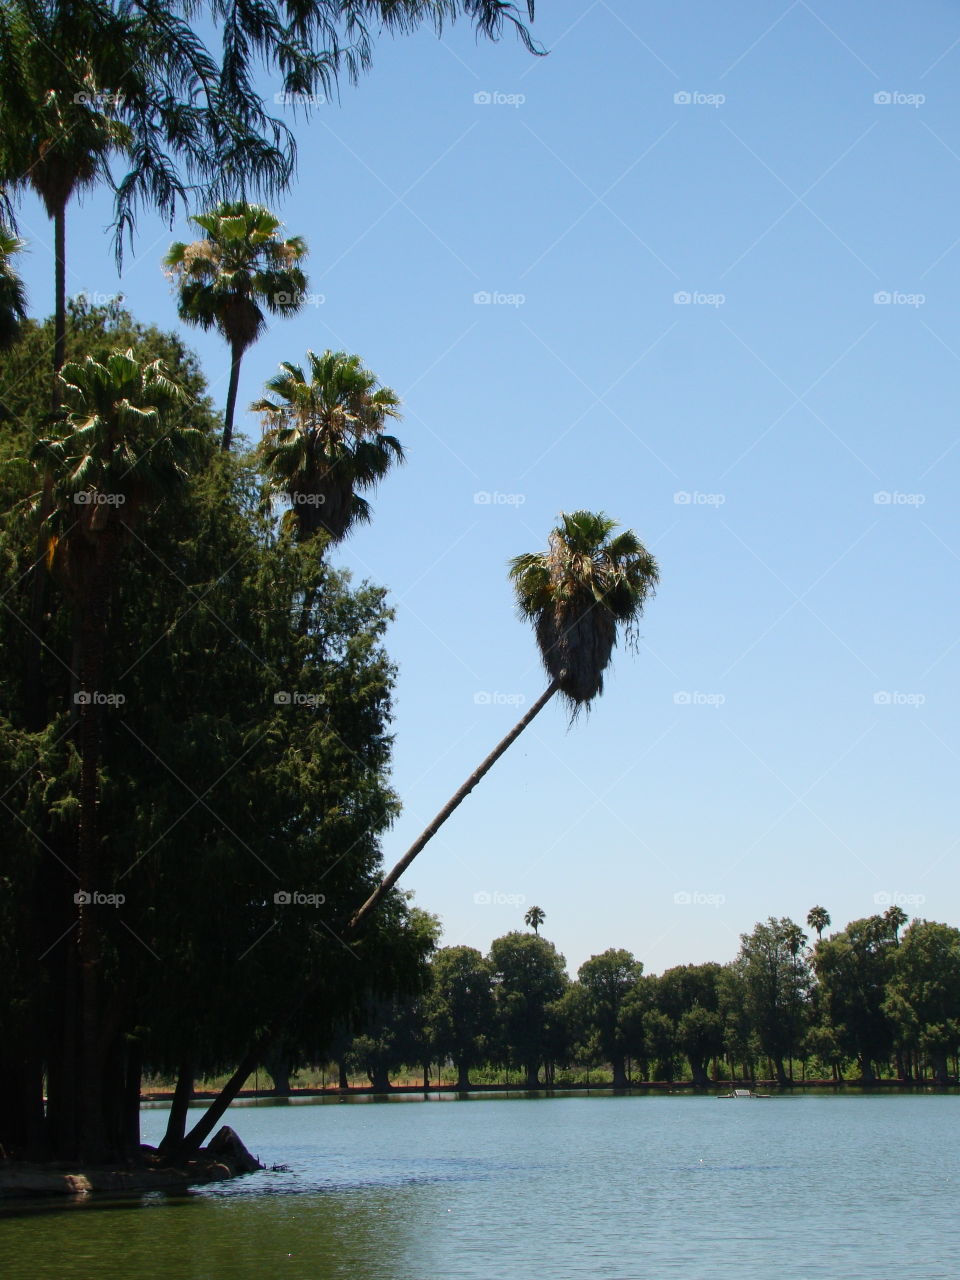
388	881
60	316
204	1127
236	355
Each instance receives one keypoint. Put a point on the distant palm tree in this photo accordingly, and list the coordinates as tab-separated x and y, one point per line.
326	442
896	918
589	582
240	268
818	918
13	296
535	918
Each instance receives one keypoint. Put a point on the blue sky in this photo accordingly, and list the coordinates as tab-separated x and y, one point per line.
724	260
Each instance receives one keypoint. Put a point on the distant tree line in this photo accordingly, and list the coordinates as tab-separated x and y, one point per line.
873	1001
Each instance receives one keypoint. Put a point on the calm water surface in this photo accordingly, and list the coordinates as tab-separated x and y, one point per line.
630	1188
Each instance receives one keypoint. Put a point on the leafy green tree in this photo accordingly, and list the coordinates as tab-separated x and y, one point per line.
853	968
818	918
529	977
534	918
460	1009
240	268
776	982
924	992
13	296
689	995
325	442
606	981
113	462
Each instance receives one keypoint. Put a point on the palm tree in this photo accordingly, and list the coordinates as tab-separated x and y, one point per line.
586	584
13	297
84	82
59	128
111	462
325	441
240	267
818	918
535	918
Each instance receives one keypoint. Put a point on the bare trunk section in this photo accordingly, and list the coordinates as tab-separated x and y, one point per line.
236	355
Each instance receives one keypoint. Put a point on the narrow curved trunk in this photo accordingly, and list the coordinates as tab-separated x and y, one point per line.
211	1117
236	355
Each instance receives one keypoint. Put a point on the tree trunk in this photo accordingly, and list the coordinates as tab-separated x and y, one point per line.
389	880
177	1120
781	1074
463	1077
618	1062
344	1081
236	355
60	301
211	1117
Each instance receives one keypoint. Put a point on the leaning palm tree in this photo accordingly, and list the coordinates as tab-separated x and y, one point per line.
240	268
111	462
818	918
13	296
588	583
325	441
535	918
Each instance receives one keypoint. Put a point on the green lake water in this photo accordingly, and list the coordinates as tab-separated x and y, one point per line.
514	1188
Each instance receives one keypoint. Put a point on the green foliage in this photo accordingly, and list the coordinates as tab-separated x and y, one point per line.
588	583
325	441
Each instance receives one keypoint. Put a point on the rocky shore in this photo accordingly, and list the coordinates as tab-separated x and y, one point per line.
225	1157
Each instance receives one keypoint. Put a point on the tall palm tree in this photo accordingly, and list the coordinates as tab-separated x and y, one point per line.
589	583
241	267
59	128
535	918
326	441
13	296
818	918
88	81
587	573
110	463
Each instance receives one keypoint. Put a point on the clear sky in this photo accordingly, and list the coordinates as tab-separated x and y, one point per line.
785	441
